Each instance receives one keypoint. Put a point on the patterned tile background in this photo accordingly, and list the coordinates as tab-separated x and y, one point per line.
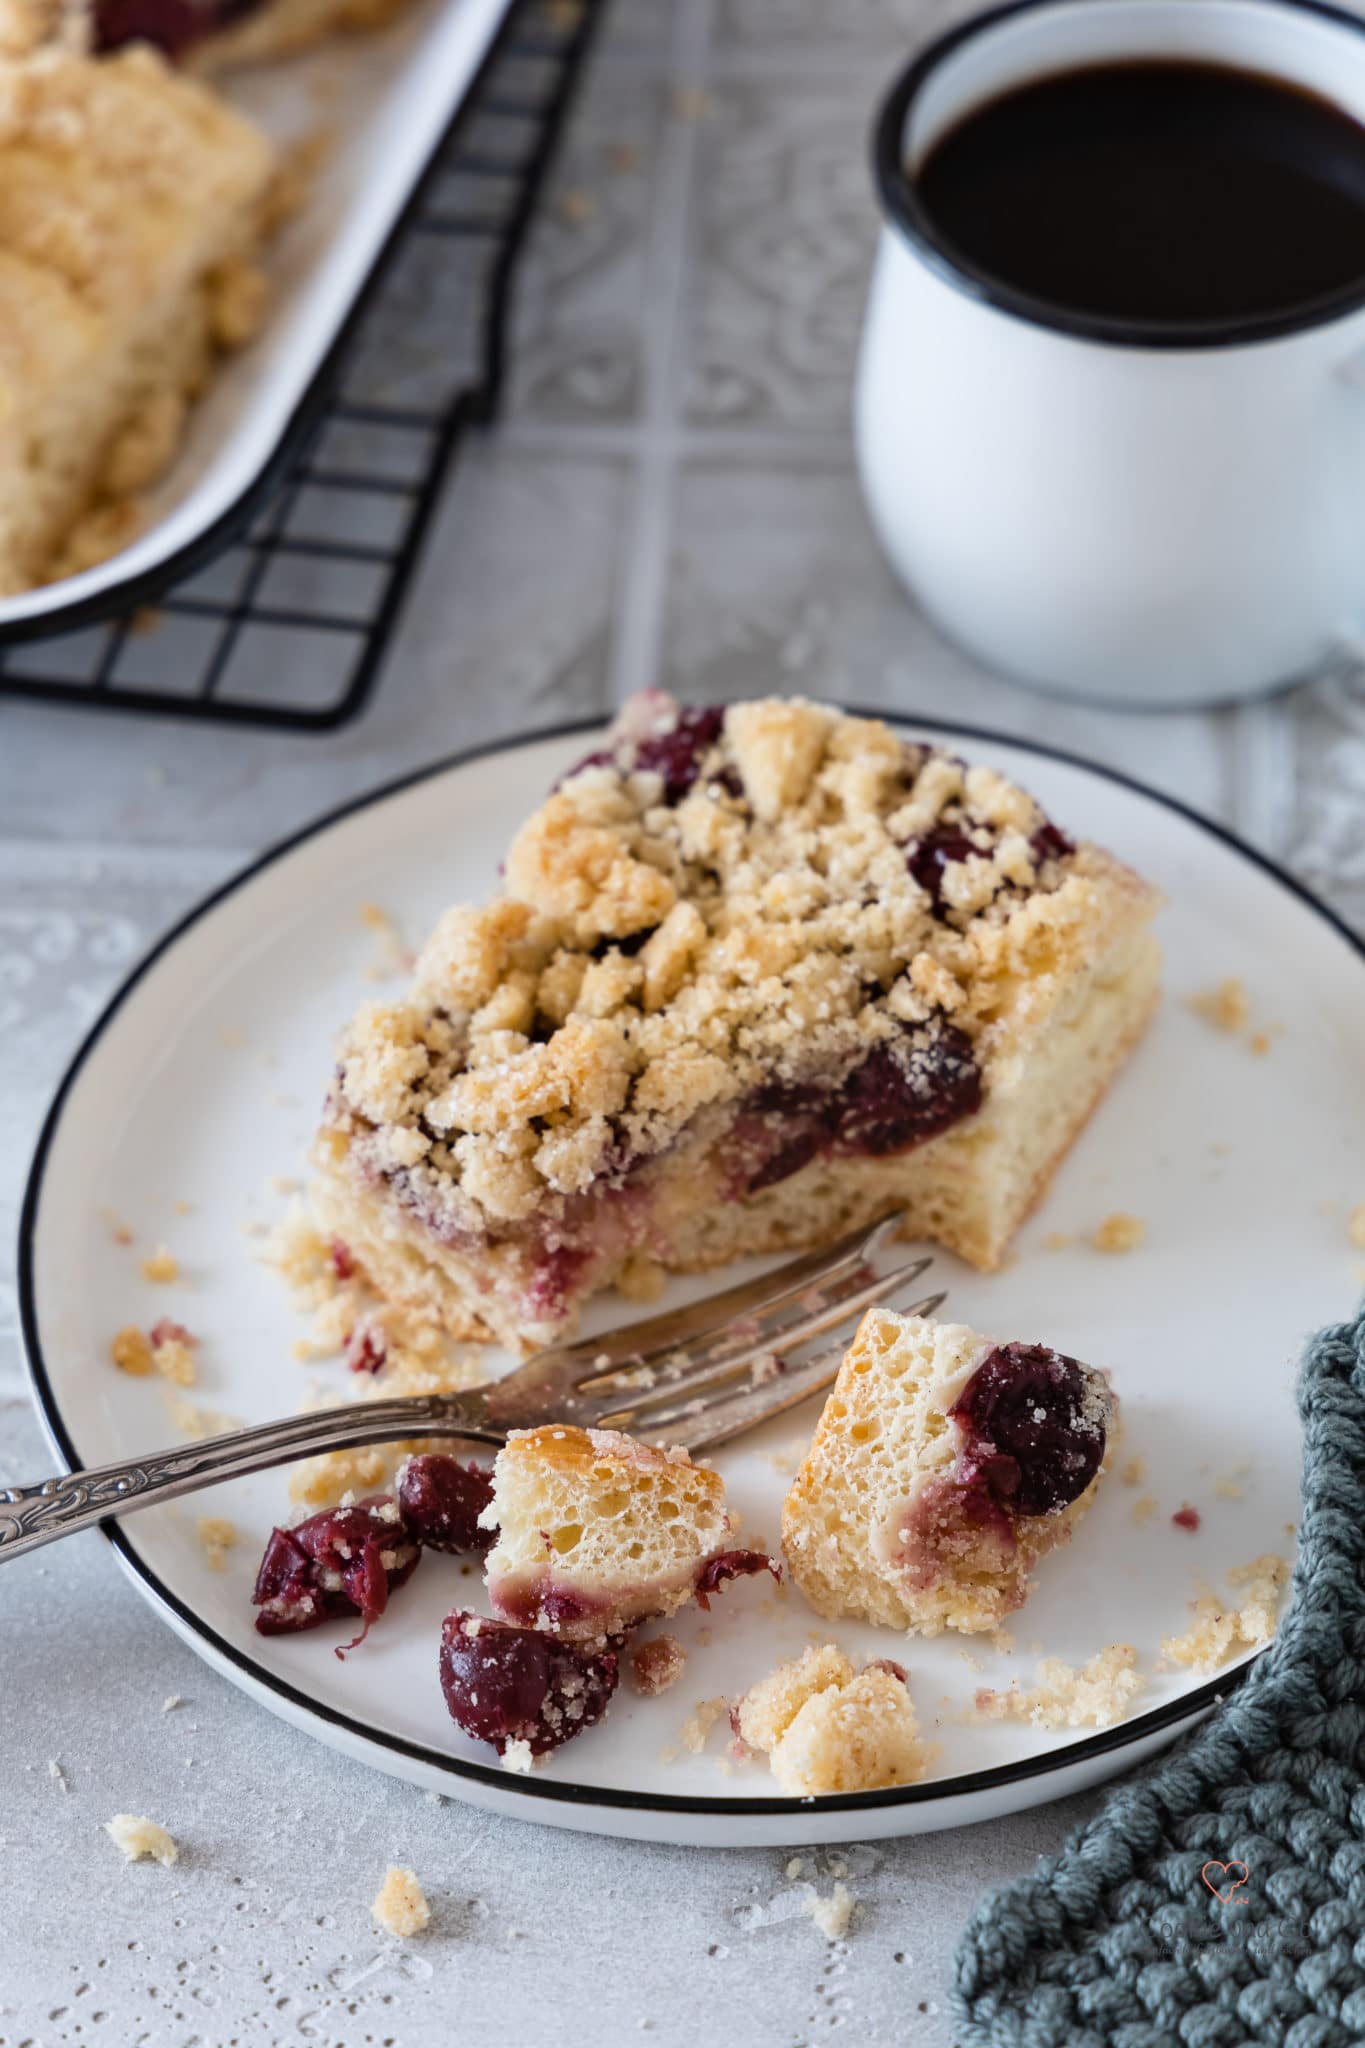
669	496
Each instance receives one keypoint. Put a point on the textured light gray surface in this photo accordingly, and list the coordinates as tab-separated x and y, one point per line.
669	496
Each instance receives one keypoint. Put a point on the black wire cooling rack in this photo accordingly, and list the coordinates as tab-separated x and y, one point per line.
288	622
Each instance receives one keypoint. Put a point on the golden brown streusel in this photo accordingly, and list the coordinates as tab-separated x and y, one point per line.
132	1353
669	952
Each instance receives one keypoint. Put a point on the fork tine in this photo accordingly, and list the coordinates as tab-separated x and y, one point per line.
636	1344
729	1361
708	1423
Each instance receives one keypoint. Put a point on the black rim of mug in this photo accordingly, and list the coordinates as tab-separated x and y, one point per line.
904	208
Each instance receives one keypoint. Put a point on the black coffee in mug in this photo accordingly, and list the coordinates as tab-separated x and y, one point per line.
1155	191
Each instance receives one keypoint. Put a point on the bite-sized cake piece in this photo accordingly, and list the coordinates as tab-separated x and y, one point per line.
521	1690
597	1532
130	204
209	34
345	1561
759	975
943	1467
828	1728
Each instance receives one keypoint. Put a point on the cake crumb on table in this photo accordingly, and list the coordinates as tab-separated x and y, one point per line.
657	1664
1222	1628
161	1268
138	1837
400	1905
217	1536
1097	1695
1119	1233
831	1915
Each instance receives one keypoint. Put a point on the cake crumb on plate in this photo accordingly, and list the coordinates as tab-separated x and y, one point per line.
1144	1508
1355	1226
1119	1233
161	1268
131	1352
699	1723
400	1905
518	1755
1225	1007
1133	1472
657	1664
217	1535
138	1837
1097	1695
827	1729
1223	1628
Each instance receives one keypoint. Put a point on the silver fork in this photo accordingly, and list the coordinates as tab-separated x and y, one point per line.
696	1376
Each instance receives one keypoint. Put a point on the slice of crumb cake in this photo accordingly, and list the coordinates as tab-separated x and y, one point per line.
130	204
597	1532
943	1468
759	975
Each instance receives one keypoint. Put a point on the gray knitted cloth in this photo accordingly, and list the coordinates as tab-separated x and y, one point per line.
1118	1942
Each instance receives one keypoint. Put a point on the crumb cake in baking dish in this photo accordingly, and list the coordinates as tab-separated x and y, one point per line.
756	975
130	204
943	1468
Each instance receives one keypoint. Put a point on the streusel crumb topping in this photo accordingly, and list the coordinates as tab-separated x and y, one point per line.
713	904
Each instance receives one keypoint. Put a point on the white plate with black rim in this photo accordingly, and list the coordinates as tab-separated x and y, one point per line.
199	1084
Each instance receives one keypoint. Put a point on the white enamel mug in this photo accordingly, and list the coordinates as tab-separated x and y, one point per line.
1152	515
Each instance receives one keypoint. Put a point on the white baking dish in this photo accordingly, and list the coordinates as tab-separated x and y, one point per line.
385	102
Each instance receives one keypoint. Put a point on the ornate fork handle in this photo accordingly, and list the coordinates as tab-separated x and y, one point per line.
33	1515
